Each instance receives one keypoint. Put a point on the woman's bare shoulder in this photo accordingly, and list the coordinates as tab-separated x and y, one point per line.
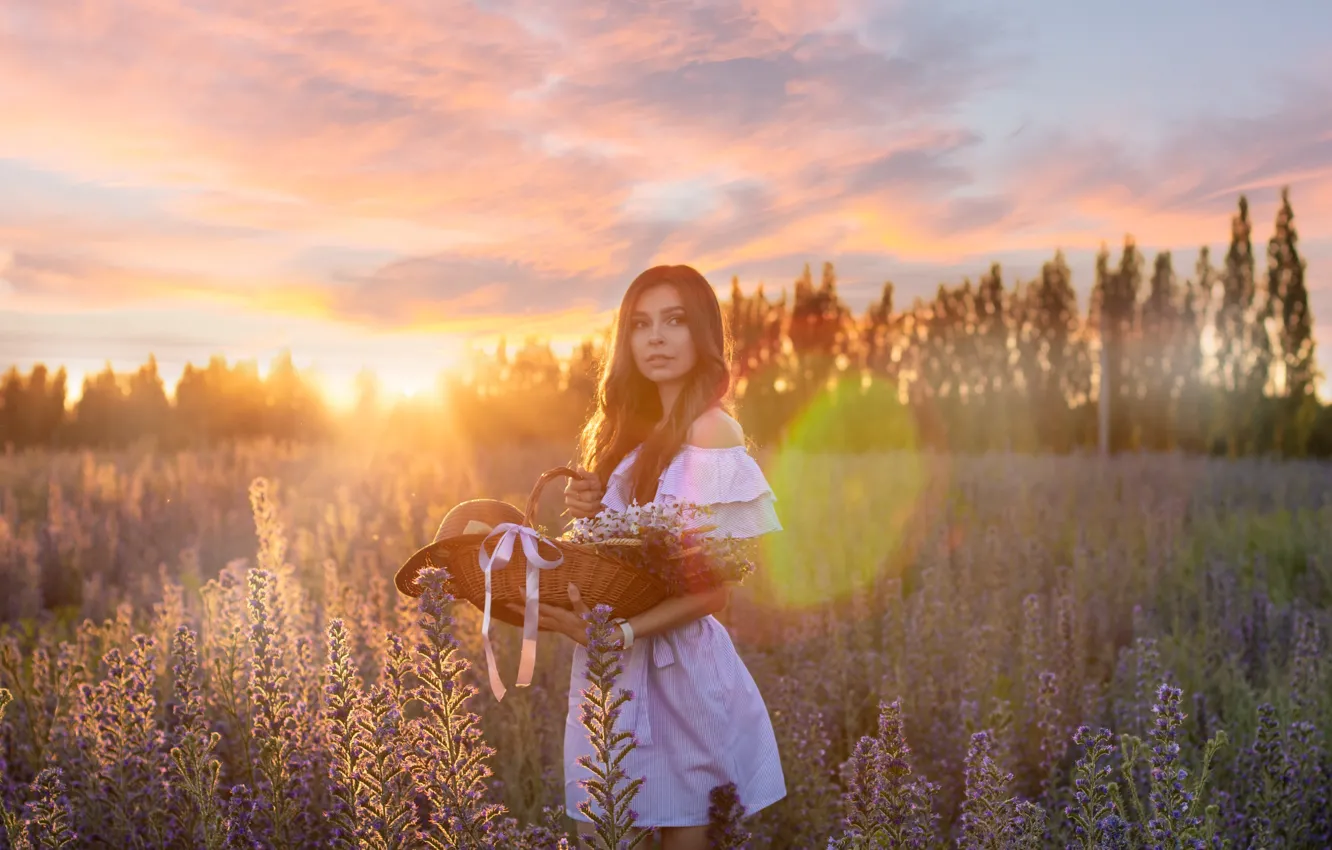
715	429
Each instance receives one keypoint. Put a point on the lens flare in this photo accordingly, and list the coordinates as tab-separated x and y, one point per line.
852	483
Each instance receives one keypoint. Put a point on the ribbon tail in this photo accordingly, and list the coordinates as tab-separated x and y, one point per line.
531	617
496	686
503	551
532	598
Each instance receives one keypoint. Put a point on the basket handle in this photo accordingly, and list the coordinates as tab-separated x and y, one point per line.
558	472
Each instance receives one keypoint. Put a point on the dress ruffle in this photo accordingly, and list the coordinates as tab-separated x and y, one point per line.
728	480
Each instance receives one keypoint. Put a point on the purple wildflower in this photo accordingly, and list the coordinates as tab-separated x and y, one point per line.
1051	737
344	738
999	721
129	746
1169	798
384	810
726	814
238	818
1025	829
610	790
1092	805
801	725
8	820
226	648
192	756
1114	831
48	819
273	715
1307	667
864	790
1308	809
1288	803
546	834
1149	677
883	802
1174	803
449	756
987	809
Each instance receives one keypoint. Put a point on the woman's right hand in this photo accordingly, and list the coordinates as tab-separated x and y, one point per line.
582	495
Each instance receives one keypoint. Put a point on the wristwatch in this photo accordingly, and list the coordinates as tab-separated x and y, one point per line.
628	631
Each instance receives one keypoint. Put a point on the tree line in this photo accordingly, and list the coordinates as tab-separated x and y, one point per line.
1219	362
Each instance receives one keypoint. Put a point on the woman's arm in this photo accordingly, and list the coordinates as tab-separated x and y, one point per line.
662	617
678	610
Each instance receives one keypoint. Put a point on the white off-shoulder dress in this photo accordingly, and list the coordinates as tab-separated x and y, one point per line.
696	713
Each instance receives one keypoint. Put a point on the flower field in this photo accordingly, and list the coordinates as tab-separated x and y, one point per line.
206	649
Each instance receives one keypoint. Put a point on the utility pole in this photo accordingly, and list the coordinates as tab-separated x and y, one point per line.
1103	397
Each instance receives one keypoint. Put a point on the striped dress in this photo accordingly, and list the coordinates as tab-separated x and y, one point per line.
697	715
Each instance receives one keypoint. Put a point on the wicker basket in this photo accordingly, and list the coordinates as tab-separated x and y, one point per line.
600	577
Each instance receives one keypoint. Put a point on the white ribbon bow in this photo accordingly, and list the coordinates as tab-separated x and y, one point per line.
531	595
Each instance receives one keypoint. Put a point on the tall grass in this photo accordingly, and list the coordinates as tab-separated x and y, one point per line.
206	649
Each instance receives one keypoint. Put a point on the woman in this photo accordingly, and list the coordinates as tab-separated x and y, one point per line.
661	430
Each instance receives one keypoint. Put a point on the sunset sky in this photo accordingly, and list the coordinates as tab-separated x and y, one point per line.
374	183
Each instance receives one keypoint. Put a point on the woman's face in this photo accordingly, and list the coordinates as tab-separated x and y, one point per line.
662	343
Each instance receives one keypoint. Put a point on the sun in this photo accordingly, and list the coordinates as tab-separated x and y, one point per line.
409	376
408	383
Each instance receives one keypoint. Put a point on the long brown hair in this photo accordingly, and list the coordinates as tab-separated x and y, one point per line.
628	405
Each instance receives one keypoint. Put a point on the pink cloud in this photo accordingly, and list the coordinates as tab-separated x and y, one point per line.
1184	189
313	122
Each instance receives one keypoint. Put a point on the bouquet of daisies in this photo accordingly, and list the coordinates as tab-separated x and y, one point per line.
673	544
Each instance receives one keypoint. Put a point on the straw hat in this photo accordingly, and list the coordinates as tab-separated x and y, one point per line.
474	519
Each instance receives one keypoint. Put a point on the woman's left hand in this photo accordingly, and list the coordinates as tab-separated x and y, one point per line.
552	618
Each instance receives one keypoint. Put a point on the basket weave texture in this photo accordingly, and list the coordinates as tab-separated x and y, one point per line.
600	576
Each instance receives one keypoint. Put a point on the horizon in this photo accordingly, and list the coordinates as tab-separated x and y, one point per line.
338	388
